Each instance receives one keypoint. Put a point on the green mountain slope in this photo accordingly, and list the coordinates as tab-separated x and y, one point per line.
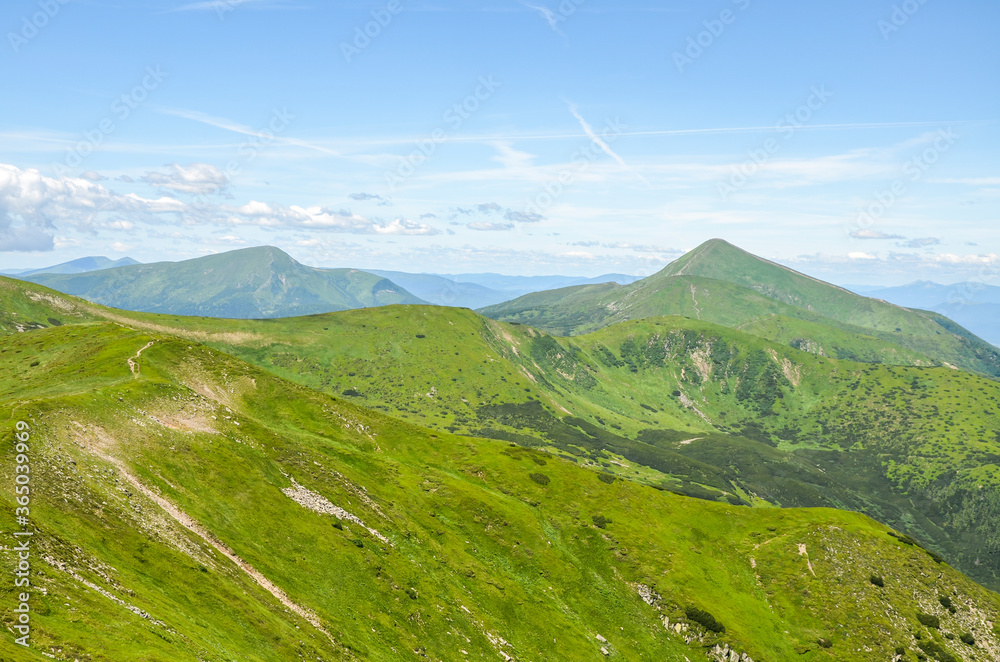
250	283
720	283
916	448
188	506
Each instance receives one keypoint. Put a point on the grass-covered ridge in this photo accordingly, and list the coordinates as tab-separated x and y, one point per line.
256	282
490	551
678	404
720	283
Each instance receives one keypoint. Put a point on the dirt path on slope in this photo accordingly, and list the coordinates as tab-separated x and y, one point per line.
194	527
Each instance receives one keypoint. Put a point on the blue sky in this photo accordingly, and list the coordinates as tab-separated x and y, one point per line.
856	141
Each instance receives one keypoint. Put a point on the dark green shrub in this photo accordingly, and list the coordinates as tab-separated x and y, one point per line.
929	620
412	592
900	650
704	619
539	461
967	638
358	543
946	603
600	521
606	478
541	479
420	335
352	393
935	651
877	581
824	643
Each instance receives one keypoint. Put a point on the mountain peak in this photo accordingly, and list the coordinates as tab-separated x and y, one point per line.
714	257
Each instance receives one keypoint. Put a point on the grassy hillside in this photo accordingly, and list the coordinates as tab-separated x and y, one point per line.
916	448
250	283
720	283
189	506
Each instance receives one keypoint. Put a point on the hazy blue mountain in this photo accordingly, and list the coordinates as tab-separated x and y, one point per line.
78	266
924	294
976	306
521	285
261	282
442	291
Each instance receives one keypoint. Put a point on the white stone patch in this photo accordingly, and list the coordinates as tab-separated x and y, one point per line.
320	504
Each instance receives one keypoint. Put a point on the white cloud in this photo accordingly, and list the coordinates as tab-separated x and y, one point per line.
32	206
196	179
856	255
511	158
24	239
874	234
484	226
549	16
222	6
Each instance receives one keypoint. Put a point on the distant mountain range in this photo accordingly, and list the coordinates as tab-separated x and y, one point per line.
244	284
976	306
481	290
177	287
82	265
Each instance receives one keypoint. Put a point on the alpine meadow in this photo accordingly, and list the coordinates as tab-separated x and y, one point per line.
499	331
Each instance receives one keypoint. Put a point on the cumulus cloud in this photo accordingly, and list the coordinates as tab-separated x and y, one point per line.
363	197
489	208
32	206
196	179
857	255
874	234
484	226
92	176
922	242
496	209
320	218
24	239
523	216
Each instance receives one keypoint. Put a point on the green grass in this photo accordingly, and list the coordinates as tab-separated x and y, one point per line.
916	448
478	549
